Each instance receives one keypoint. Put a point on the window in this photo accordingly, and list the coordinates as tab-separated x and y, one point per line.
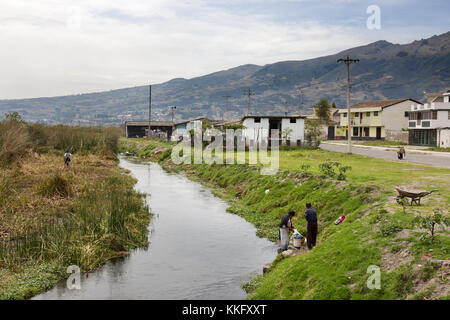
375	113
356	114
257	120
367	114
345	115
406	114
366	132
355	131
434	115
293	120
411	124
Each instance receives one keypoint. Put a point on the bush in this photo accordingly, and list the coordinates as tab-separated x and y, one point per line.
165	154
14	141
54	186
328	170
431	222
387	229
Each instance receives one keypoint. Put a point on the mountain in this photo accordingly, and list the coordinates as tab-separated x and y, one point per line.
385	71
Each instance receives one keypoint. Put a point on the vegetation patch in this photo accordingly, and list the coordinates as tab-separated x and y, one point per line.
376	228
53	216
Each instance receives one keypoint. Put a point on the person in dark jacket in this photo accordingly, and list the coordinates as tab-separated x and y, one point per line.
401	153
311	218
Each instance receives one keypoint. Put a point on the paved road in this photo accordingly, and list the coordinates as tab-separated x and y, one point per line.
430	159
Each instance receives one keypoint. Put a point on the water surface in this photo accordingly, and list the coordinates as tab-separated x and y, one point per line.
197	250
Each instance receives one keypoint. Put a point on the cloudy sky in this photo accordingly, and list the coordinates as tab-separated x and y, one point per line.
51	48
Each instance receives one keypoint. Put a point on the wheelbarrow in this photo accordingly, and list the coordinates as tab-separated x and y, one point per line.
414	195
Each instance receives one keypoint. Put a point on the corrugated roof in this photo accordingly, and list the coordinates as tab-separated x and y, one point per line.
152	123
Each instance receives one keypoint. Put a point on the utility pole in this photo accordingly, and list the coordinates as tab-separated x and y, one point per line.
249	93
286	107
348	61
226	104
301	101
172	110
149	109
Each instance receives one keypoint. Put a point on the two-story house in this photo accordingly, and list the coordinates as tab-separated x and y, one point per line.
429	124
381	119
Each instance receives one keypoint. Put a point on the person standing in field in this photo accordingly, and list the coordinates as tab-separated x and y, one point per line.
311	218
285	227
67	156
401	153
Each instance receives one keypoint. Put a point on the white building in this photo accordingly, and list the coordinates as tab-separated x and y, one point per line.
183	128
429	124
290	128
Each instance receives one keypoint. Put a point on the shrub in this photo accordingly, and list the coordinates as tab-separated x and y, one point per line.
387	229
14	141
165	154
431	222
428	270
328	170
55	185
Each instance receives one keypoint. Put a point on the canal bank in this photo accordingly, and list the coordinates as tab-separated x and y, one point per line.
372	233
197	250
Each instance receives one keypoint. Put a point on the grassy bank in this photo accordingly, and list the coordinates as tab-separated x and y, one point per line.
51	216
376	231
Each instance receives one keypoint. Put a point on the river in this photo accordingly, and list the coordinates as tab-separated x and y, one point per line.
197	250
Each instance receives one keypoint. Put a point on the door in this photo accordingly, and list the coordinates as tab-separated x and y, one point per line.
330	133
378	132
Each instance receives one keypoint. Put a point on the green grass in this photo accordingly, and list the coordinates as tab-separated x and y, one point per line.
337	267
439	149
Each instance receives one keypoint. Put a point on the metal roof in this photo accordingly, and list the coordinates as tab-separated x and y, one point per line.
152	123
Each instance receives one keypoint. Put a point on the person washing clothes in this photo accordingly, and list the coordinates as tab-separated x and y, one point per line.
285	226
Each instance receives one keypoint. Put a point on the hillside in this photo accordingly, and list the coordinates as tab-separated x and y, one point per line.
386	70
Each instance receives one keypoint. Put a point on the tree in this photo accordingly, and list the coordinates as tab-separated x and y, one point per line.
430	222
323	110
286	133
313	131
14	116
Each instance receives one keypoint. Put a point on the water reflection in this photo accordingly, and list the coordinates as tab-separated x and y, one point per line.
197	250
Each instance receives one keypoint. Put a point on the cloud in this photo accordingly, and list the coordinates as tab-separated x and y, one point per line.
62	47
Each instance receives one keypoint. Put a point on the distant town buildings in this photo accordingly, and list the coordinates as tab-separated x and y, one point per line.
381	119
429	123
405	120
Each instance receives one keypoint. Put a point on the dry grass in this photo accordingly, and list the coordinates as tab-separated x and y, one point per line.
21	188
